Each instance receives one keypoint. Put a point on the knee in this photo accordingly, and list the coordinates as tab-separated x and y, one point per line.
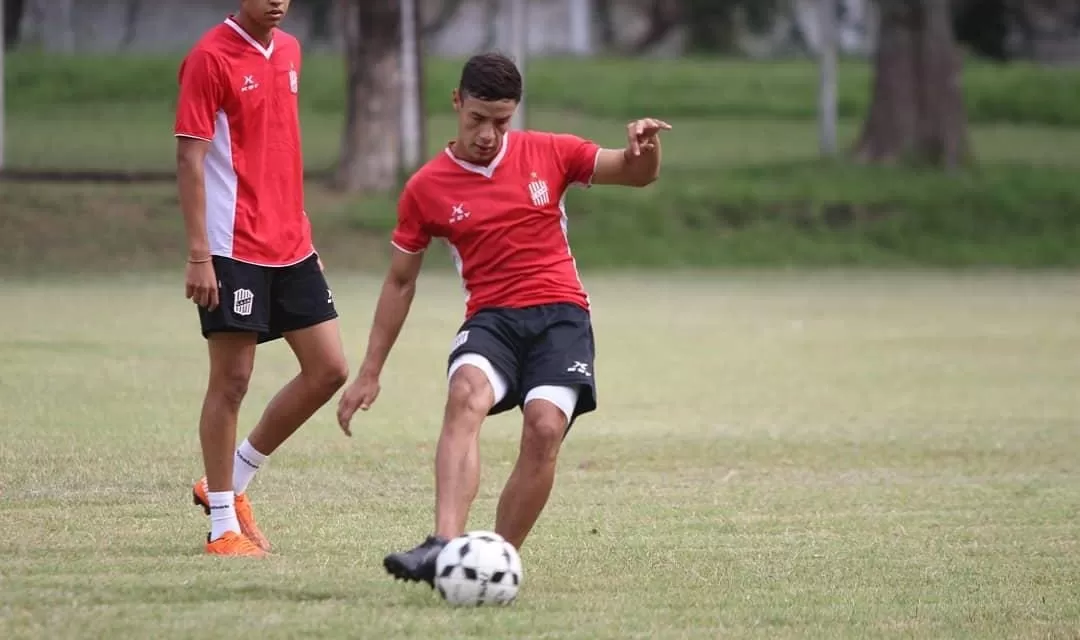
470	394
230	385
329	375
543	433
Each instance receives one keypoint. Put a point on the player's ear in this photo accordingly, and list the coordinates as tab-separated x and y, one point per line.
455	96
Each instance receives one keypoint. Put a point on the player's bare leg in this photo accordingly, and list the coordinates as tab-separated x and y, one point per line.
323	370
529	485
457	472
457	458
232	358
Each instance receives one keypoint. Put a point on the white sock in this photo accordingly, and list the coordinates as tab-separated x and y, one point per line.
246	462
222	513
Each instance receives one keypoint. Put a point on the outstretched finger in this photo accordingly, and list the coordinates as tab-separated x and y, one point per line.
632	138
212	299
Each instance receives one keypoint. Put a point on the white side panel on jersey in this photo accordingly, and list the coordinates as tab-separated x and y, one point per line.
459	264
220	189
565	224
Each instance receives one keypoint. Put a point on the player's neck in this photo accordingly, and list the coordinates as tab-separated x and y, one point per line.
261	34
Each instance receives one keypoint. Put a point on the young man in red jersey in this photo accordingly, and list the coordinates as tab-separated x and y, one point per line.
497	197
252	268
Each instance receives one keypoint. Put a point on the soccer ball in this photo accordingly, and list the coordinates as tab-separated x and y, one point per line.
478	568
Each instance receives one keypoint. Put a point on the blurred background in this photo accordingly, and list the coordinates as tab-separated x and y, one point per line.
807	132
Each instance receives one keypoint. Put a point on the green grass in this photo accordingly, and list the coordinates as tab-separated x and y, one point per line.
610	88
748	193
834	455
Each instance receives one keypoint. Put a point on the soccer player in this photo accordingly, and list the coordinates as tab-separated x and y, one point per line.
252	268
497	197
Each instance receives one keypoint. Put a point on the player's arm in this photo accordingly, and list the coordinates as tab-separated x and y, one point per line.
198	102
395	299
638	164
410	238
191	184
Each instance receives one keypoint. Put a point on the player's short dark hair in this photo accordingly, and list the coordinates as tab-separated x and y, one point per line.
490	77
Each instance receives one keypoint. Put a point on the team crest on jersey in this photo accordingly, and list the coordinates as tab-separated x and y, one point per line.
294	79
538	191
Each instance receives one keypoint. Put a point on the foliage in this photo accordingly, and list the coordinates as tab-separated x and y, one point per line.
741	185
602	87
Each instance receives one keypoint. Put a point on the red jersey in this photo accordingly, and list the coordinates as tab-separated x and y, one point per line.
242	98
506	222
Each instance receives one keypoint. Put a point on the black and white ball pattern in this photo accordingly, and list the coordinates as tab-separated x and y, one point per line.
478	568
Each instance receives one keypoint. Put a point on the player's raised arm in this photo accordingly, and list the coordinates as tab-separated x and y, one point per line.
638	164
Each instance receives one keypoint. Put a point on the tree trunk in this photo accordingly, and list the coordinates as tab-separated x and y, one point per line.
943	137
371	147
917	111
13	14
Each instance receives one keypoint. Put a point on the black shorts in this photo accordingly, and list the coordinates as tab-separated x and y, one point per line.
549	344
269	301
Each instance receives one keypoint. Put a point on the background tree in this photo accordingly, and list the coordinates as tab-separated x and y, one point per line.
13	14
371	147
917	110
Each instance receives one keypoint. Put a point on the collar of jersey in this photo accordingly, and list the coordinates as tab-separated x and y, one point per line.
266	51
486	171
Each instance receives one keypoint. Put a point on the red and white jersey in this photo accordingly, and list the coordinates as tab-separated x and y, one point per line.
242	98
506	222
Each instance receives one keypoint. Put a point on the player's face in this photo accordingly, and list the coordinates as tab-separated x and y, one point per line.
482	125
265	13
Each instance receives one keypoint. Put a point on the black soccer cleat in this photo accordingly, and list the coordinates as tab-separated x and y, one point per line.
417	564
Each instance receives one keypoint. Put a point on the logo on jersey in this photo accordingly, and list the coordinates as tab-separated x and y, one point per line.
243	300
458	213
294	79
538	191
579	367
249	84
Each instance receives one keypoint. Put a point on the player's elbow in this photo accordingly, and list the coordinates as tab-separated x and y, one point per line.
644	179
400	283
404	271
190	154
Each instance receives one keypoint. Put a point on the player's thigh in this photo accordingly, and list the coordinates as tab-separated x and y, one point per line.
563	356
551	407
319	351
472	379
490	343
232	359
300	297
244	292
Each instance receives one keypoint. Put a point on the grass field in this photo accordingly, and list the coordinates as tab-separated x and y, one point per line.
834	455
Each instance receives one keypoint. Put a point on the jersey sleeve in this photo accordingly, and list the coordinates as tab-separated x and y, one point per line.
410	234
200	97
577	157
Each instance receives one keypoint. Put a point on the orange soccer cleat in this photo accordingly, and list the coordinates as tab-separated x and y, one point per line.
244	514
234	544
